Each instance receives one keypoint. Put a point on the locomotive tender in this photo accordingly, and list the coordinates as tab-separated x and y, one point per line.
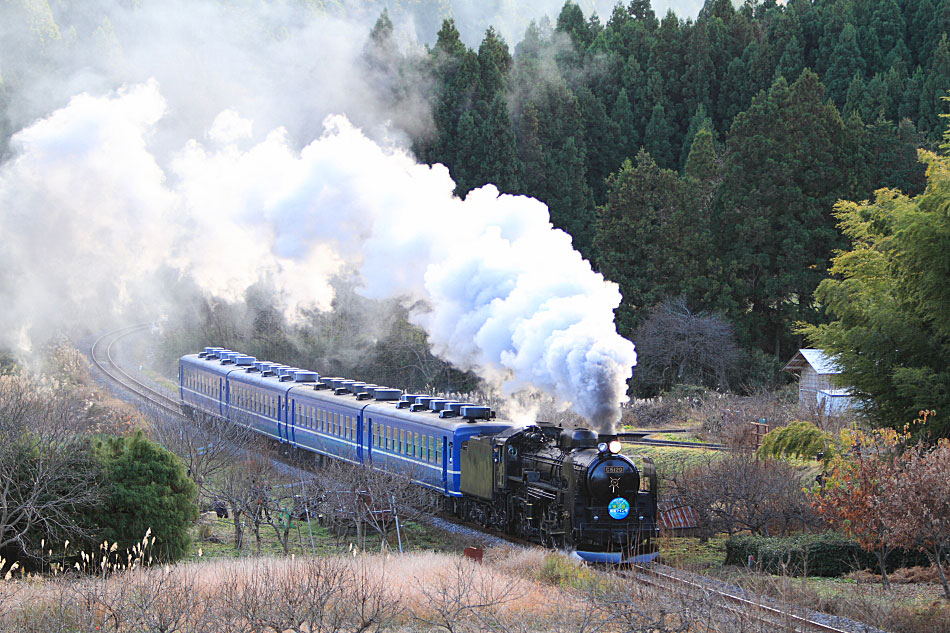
559	487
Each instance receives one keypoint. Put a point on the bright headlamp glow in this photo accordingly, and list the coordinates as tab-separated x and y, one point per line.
602	447
614	446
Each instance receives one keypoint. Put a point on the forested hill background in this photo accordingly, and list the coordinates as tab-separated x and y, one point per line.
697	159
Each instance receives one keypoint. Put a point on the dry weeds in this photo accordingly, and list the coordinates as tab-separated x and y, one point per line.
915	606
360	592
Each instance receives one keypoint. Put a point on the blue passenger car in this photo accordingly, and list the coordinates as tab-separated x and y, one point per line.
341	419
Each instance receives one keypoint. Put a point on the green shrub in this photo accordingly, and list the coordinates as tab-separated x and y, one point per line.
147	488
828	555
798	439
560	571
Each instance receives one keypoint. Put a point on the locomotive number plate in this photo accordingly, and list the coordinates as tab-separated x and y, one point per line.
613	469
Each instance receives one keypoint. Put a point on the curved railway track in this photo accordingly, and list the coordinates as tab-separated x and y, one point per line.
101	354
648	442
771	617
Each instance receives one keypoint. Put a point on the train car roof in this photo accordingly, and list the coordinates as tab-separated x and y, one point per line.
305	391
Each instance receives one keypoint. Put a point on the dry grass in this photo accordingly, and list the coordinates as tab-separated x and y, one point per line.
424	590
912	605
513	590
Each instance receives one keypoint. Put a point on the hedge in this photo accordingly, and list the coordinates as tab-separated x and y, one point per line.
826	555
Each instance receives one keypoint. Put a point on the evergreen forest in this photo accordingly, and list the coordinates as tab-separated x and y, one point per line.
693	161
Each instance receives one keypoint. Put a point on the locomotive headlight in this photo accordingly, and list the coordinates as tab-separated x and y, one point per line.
602	447
614	446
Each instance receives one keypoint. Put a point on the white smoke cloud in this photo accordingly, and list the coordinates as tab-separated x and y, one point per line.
203	169
505	293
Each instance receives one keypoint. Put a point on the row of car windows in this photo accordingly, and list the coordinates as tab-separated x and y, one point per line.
254	401
325	421
200	382
427	448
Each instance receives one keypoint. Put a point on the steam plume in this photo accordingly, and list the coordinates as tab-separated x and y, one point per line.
504	293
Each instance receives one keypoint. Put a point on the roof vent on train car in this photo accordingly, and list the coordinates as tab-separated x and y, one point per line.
227	357
438	404
408	399
368	388
356	387
447	413
364	396
332	383
339	391
306	376
455	407
384	393
287	373
268	369
244	361
424	401
471	412
417	407
578	438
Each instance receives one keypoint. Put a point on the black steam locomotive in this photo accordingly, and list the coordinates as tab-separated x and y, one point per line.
564	488
560	487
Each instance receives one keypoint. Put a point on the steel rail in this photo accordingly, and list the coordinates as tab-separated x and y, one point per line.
674	443
787	617
122	377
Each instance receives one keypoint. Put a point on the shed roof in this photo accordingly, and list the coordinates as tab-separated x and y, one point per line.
674	515
822	363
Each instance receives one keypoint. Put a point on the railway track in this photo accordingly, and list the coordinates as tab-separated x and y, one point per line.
648	442
101	354
772	618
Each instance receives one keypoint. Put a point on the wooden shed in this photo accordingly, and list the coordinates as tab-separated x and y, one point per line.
815	369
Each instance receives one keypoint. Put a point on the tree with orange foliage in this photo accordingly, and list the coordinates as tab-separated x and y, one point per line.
857	493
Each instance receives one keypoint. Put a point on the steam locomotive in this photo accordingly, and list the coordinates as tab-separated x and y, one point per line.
565	488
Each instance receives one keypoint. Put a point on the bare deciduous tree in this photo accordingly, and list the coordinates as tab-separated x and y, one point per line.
47	474
737	492
309	595
460	595
206	444
368	498
917	505
679	346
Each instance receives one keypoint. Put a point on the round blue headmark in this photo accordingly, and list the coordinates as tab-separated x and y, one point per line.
619	508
